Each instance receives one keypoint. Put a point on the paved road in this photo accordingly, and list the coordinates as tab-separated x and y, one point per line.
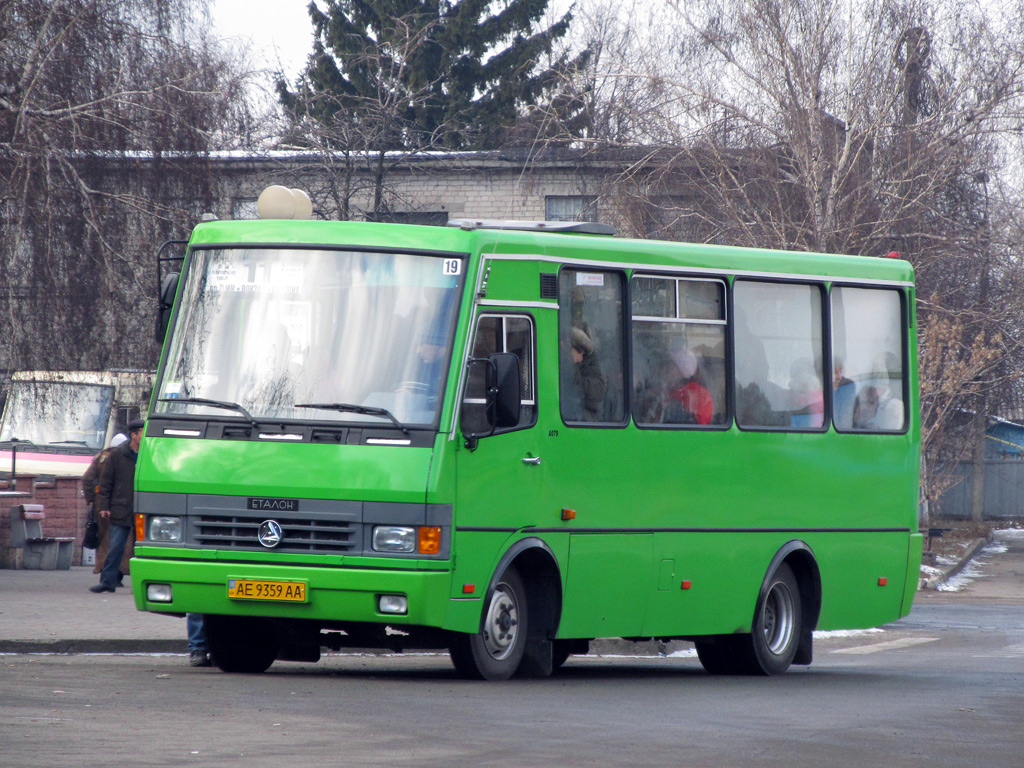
941	688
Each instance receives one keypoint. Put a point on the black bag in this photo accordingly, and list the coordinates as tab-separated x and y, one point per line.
91	540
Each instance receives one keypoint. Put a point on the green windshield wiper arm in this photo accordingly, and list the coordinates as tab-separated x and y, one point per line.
365	410
212	403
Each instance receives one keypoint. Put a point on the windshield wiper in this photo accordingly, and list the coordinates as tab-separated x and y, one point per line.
212	403
364	410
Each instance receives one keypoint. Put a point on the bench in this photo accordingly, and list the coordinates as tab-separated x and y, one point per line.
38	552
936	533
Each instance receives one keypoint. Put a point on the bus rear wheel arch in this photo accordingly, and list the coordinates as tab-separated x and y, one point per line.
785	615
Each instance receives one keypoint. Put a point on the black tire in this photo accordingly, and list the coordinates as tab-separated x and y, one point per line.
778	621
773	643
241	643
719	655
494	653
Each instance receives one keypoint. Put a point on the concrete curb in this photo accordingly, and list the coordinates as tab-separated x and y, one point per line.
936	580
93	646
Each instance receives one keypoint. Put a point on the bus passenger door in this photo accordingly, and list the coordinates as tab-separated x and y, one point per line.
591	456
501	478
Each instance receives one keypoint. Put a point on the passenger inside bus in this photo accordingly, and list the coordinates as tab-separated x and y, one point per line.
689	400
844	393
806	399
673	390
583	399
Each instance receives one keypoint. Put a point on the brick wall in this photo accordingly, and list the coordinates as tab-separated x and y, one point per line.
62	501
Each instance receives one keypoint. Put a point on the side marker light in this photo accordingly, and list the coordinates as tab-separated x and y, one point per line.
468	589
568	514
687	584
882	581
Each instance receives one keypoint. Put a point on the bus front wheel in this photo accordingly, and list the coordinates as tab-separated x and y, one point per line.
241	643
495	651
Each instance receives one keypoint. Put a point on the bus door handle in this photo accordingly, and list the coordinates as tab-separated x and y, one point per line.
531	460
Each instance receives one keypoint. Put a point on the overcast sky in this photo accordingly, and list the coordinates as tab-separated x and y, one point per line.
279	30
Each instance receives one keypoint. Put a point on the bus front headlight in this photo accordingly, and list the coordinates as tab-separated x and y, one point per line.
394	538
166	529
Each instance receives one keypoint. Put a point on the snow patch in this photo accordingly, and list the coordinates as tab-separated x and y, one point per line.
1009	533
685	653
962	579
834	633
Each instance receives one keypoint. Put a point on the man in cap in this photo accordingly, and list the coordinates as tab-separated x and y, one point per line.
115	499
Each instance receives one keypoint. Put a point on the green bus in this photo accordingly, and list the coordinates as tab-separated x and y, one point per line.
507	439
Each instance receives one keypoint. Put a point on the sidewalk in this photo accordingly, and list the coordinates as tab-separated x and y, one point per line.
54	612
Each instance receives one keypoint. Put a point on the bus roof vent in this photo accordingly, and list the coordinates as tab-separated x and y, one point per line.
571	227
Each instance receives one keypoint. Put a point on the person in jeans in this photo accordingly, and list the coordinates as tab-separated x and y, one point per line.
197	654
115	500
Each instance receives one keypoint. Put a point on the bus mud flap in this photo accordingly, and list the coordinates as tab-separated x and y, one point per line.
537	658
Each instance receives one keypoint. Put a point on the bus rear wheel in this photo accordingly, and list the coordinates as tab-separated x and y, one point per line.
772	645
241	643
778	620
494	653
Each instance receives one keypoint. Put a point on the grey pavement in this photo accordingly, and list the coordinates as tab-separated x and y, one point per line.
54	612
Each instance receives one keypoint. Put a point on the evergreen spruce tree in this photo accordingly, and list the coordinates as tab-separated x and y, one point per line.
415	74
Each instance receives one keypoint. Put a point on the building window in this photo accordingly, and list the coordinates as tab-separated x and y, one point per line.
429	218
570	208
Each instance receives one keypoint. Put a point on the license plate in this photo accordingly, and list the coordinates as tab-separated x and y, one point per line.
259	589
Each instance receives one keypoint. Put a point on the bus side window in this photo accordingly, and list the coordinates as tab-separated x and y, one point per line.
501	334
590	350
867	360
678	334
779	381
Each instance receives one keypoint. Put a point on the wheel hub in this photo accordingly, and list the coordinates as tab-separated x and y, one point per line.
502	624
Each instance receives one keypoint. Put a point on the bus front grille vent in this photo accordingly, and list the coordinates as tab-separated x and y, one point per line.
323	536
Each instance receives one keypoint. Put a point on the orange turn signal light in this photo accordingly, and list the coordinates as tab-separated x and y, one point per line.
140	527
568	514
429	540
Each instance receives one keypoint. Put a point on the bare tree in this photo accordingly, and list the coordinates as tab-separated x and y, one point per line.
92	92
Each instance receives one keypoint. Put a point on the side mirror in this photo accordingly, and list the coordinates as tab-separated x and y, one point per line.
168	287
505	389
493	397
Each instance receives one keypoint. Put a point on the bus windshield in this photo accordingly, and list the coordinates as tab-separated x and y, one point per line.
57	413
302	334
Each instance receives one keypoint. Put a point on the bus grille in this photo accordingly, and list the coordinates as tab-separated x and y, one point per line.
320	535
